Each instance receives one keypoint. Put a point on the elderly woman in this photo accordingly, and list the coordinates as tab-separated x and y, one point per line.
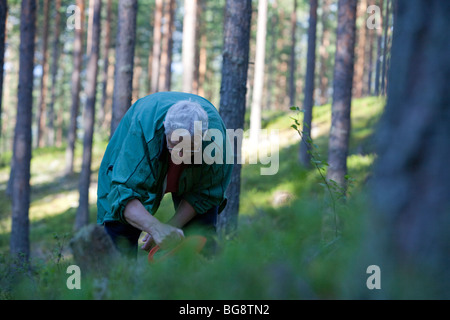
138	169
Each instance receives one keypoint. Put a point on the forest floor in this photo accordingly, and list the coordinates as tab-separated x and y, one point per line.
284	218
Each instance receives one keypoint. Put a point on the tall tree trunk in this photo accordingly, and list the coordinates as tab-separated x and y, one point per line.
233	88
137	72
198	25
3	16
75	90
323	52
292	70
54	74
189	40
272	55
41	114
123	73
342	92
82	216
203	64
156	54
165	75
410	223
106	52
358	78
385	49
379	52
19	241
258	83
305	144
371	39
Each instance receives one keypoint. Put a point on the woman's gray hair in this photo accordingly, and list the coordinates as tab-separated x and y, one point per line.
183	115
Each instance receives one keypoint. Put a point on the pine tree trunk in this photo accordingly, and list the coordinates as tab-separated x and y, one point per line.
292	69
3	15
198	25
203	64
232	94
156	54
323	52
41	114
258	83
371	40
271	61
54	73
165	75
379	52
385	49
358	78
75	90
305	144
189	40
342	92
106	52
19	241
411	185
82	216
123	71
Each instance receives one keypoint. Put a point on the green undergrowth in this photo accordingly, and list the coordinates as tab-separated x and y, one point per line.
289	244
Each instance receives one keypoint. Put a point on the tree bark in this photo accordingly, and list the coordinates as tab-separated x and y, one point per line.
189	39
379	52
358	79
106	52
292	88
75	90
271	67
123	73
165	74
54	73
342	92
3	16
258	83
371	40
385	48
411	180
305	144
156	54
41	114
19	241
323	52
82	216
232	94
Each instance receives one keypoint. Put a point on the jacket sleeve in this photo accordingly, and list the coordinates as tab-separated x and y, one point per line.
210	191
132	172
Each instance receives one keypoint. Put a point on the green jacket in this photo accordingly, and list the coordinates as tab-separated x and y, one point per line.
135	162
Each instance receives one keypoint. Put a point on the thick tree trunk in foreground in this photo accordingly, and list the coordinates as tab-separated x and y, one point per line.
232	93
411	185
19	241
